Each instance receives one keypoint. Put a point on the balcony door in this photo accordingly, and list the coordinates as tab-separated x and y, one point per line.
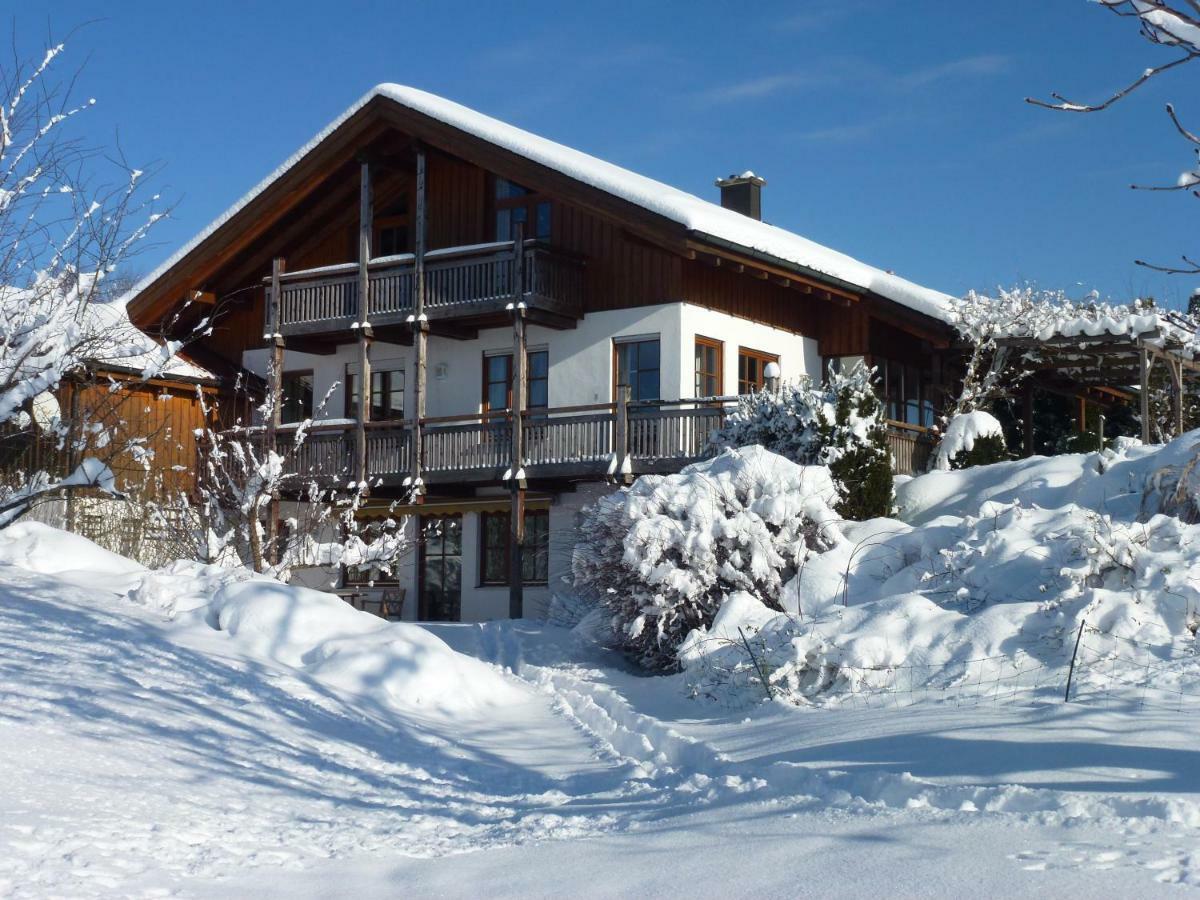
440	574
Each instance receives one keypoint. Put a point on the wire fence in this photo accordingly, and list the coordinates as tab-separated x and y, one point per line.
1091	667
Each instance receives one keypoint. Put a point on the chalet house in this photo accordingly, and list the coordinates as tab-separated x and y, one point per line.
511	324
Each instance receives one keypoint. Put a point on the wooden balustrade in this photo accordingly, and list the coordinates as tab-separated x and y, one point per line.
579	441
458	281
553	438
477	446
911	448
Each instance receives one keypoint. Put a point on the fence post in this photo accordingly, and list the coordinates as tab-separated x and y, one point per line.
1071	670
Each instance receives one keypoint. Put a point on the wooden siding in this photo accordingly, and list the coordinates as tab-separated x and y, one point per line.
624	268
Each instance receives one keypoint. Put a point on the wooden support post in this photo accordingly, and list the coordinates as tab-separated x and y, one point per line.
1028	417
516	580
1176	368
420	327
365	217
275	399
1144	370
621	432
1100	430
72	447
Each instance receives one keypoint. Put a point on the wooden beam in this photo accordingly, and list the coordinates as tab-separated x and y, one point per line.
516	587
1144	400
365	225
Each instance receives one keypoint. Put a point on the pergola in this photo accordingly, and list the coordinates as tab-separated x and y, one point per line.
1113	361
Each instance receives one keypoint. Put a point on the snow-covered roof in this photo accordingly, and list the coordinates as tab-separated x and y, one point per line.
110	322
1028	315
705	219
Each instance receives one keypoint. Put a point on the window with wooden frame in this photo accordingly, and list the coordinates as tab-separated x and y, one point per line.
498	377
637	363
751	364
513	203
392	236
297	402
495	547
387	395
710	376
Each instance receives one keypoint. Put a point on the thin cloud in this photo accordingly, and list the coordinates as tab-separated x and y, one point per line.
758	88
985	64
844	133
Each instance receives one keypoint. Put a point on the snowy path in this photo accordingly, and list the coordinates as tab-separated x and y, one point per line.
132	757
141	756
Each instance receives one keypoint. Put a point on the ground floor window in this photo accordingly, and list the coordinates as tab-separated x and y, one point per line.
495	546
908	391
441	568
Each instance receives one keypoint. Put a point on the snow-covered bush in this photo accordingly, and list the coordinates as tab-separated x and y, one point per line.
784	421
839	424
854	445
971	439
661	556
987	583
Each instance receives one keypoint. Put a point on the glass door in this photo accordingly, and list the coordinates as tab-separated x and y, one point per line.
441	569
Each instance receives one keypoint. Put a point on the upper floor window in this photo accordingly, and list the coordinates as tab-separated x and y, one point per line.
709	365
387	394
297	396
637	365
391	229
751	366
513	204
498	378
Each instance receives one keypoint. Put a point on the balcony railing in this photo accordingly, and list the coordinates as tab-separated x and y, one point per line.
459	282
911	448
572	441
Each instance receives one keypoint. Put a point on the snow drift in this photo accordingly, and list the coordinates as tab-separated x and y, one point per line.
998	563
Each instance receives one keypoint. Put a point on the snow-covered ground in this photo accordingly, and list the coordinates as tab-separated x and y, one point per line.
202	732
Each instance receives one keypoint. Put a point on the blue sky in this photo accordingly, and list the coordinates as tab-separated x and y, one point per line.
895	131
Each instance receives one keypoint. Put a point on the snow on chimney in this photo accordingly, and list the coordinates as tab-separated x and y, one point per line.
743	193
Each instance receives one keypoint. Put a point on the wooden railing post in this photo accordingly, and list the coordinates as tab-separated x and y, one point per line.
365	216
1144	405
275	397
621	433
420	328
516	586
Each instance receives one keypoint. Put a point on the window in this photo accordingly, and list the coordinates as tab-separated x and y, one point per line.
495	547
709	377
391	229
751	364
537	379
498	377
637	365
515	204
909	393
387	394
297	396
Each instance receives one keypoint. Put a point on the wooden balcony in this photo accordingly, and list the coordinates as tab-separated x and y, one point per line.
467	284
589	442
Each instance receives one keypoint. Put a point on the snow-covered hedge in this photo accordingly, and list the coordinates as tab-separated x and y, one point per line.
661	556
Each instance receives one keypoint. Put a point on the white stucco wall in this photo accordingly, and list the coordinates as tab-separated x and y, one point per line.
581	358
581	361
